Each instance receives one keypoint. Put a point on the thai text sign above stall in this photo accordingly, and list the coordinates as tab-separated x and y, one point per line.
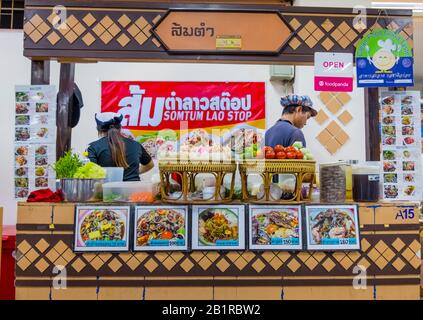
173	108
205	31
384	59
333	72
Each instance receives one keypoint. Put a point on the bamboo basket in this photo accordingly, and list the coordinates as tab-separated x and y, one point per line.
303	170
188	170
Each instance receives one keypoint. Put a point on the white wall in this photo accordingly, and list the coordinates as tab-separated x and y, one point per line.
15	69
354	148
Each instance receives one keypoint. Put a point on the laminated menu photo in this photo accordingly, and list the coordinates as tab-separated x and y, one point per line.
160	228
101	228
218	227
401	143
332	227
275	227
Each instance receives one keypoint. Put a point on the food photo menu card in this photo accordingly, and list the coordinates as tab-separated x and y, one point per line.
35	139
401	146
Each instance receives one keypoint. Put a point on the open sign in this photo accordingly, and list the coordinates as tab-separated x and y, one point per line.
333	72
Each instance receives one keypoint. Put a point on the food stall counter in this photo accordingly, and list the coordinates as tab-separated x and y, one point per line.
389	252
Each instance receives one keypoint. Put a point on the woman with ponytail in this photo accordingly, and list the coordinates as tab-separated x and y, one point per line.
114	150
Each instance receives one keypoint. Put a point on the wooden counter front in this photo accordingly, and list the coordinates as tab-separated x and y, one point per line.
390	250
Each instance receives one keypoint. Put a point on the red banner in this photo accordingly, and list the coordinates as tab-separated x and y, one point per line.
163	105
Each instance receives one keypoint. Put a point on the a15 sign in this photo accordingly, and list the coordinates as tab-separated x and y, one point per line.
405	214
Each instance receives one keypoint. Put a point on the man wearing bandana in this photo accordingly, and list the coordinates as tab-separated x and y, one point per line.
287	130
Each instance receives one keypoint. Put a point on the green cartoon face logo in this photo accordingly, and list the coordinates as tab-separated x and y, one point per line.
384	59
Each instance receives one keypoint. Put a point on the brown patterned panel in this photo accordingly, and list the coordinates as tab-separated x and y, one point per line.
386	254
101	34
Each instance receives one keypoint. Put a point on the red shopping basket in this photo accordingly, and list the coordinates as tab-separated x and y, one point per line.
7	276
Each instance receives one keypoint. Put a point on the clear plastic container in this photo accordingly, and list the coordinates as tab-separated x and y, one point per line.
366	177
332	182
114	174
131	191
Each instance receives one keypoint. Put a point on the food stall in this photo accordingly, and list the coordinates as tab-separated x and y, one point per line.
217	243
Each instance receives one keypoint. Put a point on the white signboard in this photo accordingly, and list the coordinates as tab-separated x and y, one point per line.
333	72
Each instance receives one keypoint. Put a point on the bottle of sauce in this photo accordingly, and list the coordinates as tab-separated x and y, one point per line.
366	182
348	179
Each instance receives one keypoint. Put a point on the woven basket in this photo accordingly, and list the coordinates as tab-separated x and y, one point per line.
188	171
303	170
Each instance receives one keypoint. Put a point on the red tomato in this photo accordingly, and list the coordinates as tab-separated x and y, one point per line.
279	148
290	149
281	155
266	149
300	155
291	155
270	155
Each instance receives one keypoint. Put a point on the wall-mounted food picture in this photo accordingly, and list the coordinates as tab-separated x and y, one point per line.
21	150
407	120
390	191
389	166
22	134
275	227
41	107
22	120
159	228
102	228
219	227
21	193
408	165
389	130
21	172
388	120
390	178
22	96
22	108
388	140
389	155
332	227
409	190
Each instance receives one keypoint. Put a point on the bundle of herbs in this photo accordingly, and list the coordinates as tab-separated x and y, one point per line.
67	166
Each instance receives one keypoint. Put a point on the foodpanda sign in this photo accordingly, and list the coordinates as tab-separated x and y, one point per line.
333	72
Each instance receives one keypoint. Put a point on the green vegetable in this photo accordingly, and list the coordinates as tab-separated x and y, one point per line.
67	166
305	150
90	171
298	144
168	135
111	197
147	136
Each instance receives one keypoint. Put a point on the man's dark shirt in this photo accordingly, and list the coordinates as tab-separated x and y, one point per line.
283	133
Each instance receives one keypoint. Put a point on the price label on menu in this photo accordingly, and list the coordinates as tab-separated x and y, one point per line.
401	146
35	139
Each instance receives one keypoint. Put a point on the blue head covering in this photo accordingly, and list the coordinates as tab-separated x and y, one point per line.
297	100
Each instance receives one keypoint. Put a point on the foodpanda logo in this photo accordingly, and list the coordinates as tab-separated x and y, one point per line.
136	109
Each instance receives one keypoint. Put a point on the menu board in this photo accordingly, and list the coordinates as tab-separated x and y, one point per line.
219	227
102	228
35	139
275	227
160	228
401	146
332	227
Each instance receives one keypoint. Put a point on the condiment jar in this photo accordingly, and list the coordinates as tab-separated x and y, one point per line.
332	182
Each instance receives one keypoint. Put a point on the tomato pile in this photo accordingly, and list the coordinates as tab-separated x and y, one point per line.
279	152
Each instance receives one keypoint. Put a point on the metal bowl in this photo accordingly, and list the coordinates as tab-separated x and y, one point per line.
82	190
